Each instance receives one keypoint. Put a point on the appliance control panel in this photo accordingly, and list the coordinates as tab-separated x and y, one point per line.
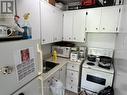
100	52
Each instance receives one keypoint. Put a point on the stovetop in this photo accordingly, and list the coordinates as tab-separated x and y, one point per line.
89	65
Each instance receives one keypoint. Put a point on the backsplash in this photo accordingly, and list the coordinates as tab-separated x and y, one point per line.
102	40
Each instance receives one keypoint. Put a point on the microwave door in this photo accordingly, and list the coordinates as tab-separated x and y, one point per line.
15	71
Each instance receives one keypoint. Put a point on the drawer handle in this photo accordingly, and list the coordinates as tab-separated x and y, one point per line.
71	87
72	66
71	80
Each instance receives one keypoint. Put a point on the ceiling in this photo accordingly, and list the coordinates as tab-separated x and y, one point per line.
68	1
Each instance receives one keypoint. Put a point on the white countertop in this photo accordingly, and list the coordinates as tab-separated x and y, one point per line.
61	61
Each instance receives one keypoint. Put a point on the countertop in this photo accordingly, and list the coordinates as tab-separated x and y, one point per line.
61	61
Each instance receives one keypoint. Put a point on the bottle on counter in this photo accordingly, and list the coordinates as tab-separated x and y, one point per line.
54	56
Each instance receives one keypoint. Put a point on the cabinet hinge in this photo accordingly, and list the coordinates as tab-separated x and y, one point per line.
119	10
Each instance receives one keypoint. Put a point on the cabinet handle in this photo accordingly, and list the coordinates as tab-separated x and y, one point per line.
69	38
71	73
86	13
43	40
71	80
84	39
72	66
96	28
74	38
103	28
71	87
85	29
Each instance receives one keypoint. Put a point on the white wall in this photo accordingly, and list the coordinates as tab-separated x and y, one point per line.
102	40
120	63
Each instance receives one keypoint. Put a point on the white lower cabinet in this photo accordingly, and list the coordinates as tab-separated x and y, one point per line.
60	75
72	77
63	75
47	83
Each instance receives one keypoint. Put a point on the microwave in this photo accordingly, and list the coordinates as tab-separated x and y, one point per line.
62	51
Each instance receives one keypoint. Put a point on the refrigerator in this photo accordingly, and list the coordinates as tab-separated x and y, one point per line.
20	68
120	57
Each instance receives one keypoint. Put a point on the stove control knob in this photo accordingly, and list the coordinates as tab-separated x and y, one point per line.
21	94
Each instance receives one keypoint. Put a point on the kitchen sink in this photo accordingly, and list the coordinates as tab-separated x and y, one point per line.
47	66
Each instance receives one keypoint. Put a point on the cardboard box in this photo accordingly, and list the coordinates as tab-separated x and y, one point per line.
52	2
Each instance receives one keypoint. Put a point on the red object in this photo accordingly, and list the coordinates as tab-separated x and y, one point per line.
88	2
17	16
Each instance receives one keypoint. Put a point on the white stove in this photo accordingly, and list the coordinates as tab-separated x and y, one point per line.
96	67
95	78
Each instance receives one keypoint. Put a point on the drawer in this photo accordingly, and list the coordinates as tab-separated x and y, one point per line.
72	66
72	81
72	88
72	74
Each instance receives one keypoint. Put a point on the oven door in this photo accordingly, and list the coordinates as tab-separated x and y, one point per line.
94	80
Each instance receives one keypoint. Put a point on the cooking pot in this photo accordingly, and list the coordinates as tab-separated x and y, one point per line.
105	62
6	31
105	59
91	58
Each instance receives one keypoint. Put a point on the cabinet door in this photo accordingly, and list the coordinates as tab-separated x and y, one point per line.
58	22
63	75
47	23
110	19
68	26
47	83
93	19
79	26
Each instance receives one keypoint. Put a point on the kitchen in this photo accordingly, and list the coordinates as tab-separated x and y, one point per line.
103	30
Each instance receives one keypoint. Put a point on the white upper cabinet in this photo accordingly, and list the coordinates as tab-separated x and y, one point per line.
104	19
110	19
58	26
93	17
46	23
74	26
51	23
68	25
79	26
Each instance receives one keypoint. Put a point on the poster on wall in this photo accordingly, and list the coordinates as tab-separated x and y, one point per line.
24	62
